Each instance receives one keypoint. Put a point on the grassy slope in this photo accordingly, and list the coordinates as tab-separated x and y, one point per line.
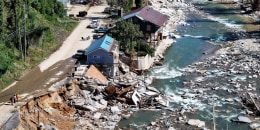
41	45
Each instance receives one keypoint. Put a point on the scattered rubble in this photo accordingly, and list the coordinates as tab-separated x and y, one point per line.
85	101
232	72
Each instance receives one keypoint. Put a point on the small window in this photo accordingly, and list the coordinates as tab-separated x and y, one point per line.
148	28
96	57
135	20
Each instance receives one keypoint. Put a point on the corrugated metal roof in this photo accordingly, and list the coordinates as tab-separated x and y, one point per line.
104	42
147	13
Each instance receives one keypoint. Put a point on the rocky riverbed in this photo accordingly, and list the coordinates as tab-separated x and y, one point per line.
228	77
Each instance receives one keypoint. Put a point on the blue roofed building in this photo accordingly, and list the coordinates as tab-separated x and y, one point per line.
104	54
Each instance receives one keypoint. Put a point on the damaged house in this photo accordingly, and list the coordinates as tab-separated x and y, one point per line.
150	22
104	54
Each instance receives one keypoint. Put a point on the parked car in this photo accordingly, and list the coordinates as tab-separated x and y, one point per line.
107	10
79	54
95	21
82	14
96	36
93	25
101	30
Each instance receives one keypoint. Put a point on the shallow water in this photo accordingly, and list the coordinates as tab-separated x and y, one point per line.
220	23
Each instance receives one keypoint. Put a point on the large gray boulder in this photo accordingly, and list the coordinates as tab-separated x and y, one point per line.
196	122
244	119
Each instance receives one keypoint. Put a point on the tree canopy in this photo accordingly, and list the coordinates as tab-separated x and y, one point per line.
6	56
131	38
126	32
139	3
29	31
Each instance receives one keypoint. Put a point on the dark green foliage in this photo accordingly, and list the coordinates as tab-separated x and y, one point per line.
131	38
127	5
141	53
139	3
1	16
6	57
49	7
143	48
44	34
128	33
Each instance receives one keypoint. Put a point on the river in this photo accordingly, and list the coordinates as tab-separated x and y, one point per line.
217	24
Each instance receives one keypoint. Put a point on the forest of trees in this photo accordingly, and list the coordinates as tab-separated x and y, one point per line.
29	31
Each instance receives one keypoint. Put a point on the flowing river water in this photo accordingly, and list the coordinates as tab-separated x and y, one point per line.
218	24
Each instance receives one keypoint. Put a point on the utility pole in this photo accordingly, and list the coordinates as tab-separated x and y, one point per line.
25	42
214	122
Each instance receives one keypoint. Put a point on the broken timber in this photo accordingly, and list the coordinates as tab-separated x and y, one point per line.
249	101
256	104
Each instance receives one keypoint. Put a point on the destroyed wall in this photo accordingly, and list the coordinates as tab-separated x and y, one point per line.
49	111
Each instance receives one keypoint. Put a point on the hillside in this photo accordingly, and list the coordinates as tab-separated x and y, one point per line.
30	32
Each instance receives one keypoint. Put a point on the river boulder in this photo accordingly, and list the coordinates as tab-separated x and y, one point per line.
196	122
242	119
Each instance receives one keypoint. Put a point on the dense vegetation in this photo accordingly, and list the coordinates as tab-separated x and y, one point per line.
30	30
127	5
131	38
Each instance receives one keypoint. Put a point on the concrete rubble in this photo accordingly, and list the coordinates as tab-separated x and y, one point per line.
85	102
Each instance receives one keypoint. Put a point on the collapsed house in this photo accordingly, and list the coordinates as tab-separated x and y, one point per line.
87	100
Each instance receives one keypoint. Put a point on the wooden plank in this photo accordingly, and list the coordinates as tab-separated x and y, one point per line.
256	105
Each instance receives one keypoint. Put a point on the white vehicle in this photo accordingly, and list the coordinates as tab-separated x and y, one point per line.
94	23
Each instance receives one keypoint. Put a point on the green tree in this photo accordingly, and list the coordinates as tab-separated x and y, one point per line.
143	48
127	5
1	16
49	7
128	34
139	3
6	57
